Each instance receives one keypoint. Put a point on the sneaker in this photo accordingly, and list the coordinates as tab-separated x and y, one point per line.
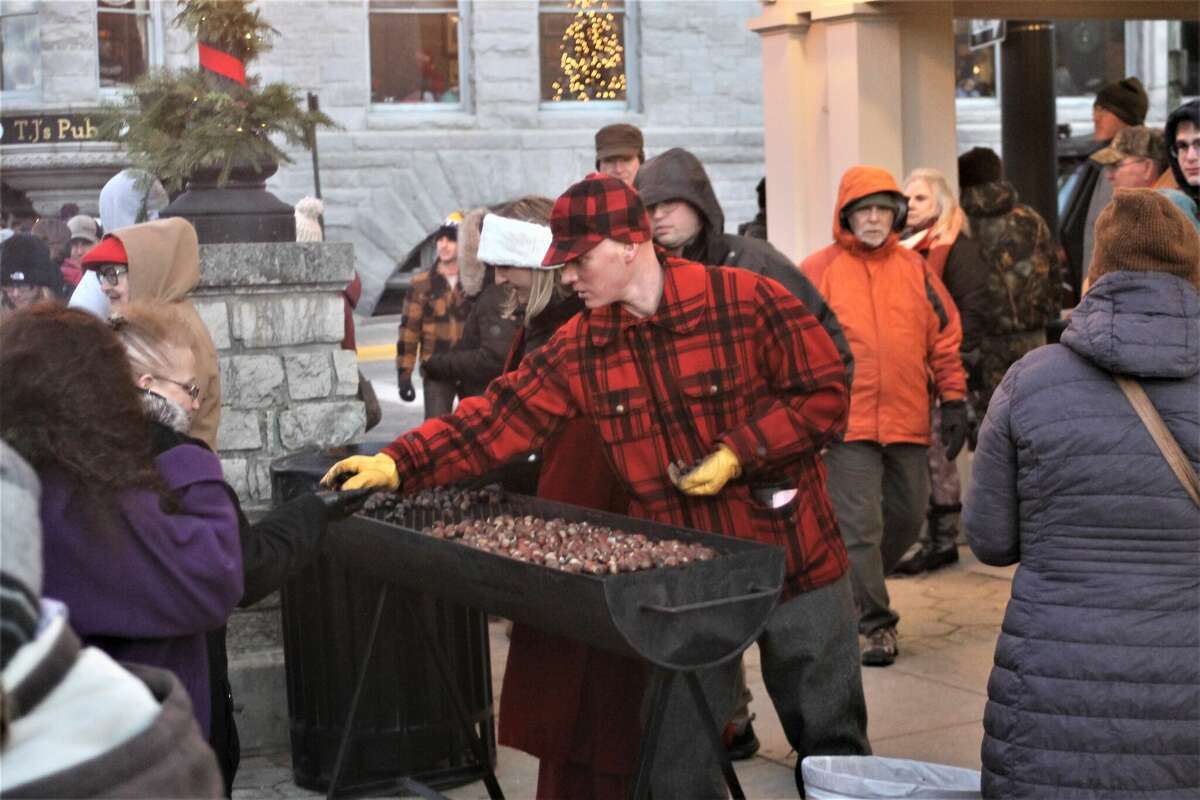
881	649
740	746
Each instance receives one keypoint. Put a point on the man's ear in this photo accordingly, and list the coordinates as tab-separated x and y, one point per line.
144	381
629	251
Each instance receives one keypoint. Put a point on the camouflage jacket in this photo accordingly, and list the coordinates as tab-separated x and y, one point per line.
1021	259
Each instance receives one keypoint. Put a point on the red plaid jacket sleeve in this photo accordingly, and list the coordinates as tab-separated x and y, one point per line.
808	405
516	413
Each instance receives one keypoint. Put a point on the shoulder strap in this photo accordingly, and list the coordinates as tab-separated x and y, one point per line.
1162	437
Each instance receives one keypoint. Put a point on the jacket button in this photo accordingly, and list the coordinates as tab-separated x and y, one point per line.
712	389
620	408
762	451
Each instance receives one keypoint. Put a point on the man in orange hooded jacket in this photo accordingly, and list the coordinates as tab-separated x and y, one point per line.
902	327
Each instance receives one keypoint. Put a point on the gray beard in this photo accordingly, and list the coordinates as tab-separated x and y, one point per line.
165	412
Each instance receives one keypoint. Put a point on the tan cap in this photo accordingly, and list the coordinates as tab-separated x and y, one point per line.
618	140
1137	141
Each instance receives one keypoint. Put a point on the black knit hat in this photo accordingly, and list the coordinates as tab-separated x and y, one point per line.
979	165
25	261
1125	98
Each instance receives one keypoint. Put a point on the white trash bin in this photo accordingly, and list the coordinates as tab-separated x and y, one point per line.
875	778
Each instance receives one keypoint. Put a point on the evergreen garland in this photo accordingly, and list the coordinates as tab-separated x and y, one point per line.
176	123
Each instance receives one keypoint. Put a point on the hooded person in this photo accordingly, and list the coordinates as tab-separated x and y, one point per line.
688	222
130	197
878	476
1182	133
77	723
159	262
1096	679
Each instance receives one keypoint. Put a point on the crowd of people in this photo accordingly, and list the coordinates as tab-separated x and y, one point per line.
619	329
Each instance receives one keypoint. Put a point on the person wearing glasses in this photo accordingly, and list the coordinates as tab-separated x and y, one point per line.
159	348
1135	159
1183	148
159	262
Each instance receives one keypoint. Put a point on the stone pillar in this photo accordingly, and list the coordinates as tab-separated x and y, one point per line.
276	316
1027	115
275	312
846	84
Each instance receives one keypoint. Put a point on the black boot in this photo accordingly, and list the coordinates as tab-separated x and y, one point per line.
943	536
914	559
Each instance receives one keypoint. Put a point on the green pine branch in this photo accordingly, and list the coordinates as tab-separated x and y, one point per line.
228	25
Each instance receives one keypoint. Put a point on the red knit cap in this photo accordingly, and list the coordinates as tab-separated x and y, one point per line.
109	251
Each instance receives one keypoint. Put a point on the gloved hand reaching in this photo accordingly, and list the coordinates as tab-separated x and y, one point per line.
339	505
404	383
954	427
710	475
369	472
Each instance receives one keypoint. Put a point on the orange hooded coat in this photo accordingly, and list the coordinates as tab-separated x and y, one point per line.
899	319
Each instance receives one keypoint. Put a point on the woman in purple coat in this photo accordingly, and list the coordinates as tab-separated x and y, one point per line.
143	550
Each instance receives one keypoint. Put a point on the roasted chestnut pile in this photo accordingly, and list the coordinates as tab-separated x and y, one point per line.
576	547
570	546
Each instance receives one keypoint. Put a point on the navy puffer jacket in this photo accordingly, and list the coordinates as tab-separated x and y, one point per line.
1095	690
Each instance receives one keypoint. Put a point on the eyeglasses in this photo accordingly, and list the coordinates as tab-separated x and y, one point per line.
1124	162
193	391
1179	146
111	273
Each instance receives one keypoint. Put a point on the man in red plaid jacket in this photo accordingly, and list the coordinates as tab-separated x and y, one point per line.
673	361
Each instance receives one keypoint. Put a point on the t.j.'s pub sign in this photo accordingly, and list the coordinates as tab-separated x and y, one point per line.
46	128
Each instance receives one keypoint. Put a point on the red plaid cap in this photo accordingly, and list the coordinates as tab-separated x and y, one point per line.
599	207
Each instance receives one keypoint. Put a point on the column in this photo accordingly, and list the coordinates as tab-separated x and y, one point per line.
1027	114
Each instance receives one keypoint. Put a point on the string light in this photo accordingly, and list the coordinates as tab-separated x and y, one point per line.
592	60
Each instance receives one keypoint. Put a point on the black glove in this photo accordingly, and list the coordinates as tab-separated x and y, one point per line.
434	369
407	392
954	427
339	505
973	423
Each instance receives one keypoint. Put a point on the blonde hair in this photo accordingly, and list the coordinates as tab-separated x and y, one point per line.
943	196
547	283
148	333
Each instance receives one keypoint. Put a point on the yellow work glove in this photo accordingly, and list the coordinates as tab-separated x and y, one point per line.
712	473
370	472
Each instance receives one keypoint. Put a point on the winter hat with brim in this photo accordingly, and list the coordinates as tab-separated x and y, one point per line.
25	261
1127	99
1136	141
883	199
20	552
596	208
1140	230
507	242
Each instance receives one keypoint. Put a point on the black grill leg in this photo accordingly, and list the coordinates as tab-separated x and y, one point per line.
660	692
714	736
460	708
348	726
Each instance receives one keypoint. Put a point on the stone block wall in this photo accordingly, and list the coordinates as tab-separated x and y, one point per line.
275	312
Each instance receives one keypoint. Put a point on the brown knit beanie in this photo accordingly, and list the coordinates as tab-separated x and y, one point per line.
1141	230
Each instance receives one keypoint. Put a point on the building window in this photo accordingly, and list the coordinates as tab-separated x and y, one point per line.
20	53
126	33
1088	55
974	67
416	52
584	51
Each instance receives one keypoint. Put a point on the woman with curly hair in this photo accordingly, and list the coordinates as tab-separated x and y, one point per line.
142	549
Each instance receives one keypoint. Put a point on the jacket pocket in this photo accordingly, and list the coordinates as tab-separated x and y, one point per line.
622	416
713	400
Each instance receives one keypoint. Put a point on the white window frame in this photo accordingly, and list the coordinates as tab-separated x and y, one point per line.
464	65
24	97
156	49
632	101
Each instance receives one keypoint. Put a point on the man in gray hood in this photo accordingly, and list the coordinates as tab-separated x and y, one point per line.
688	223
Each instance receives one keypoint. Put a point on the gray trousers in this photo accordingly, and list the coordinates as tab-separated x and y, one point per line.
439	398
879	494
810	664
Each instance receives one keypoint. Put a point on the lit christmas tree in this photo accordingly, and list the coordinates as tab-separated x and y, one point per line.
593	58
175	124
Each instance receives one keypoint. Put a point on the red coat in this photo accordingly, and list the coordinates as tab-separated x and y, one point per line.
563	701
